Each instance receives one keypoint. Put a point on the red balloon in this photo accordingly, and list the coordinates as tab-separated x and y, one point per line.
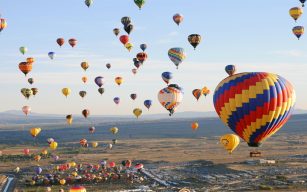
124	39
26	151
60	41
72	42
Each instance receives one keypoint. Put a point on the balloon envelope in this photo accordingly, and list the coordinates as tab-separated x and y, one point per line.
254	105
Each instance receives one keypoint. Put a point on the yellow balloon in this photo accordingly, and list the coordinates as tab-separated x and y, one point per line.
129	46
114	130
53	145
69	119
72	164
205	91
62	181
35	131
94	144
75	174
296	12
137	112
66	91
119	80
230	142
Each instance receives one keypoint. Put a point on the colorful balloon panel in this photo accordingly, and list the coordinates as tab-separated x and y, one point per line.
254	105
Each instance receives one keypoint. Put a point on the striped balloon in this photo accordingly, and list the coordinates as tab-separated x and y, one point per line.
176	55
296	12
170	97
3	24
254	105
298	31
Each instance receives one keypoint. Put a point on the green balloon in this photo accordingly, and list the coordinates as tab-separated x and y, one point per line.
139	3
23	50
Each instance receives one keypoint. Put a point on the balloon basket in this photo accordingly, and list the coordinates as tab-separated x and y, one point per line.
255	154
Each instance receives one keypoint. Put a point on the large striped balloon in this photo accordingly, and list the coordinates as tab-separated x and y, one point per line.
254	105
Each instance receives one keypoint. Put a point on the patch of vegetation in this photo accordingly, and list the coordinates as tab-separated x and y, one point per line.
265	187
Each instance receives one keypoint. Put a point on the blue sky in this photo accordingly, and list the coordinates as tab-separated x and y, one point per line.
255	36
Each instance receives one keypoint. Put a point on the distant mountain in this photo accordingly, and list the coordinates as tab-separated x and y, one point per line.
12	117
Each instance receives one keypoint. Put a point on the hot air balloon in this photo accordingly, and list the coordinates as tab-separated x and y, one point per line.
114	130
139	166
167	76
37	158
31	80
82	94
116	100
141	57
136	63
134	71
205	91
101	90
230	69
133	96
129	46
88	3
254	105
170	97
298	31
17	169
303	1
143	47
119	80
114	141
108	65
99	81
128	28
26	151
66	91
55	157
69	119
124	39
38	170
85	113
116	31
83	142
72	42
44	152
296	12
94	144
139	3
51	55
53	145
60	41
85	65
178	18
30	60
25	67
230	142
84	79
26	92
137	112
194	40
77	189
91	129
148	103
35	131
194	126
176	55
23	50
26	109
50	140
34	91
126	20
62	181
196	93
3	24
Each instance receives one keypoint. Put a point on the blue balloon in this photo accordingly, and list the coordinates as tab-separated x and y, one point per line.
51	55
167	76
143	47
148	103
38	170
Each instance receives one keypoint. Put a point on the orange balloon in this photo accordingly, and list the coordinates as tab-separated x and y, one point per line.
194	126
84	79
